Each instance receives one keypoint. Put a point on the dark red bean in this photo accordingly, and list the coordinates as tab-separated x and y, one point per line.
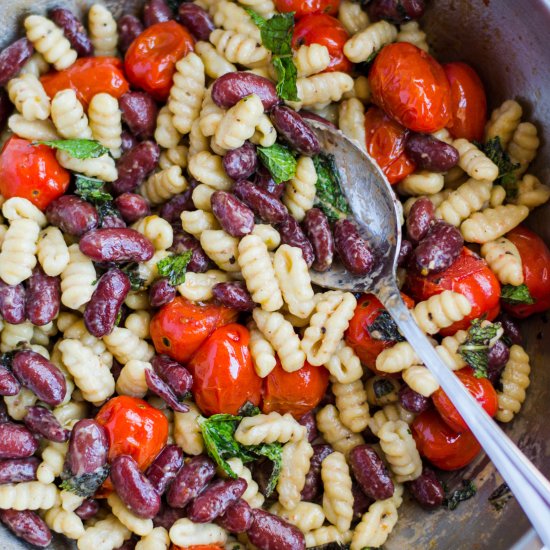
13	58
134	166
167	516
173	373
156	11
39	375
6	108
314	116
190	481
139	111
371	473
9	385
232	87
292	234
511	328
313	486
101	311
439	249
292	127
111	222
183	242
196	19
404	252
270	532
317	230
412	401
496	360
427	490
72	215
12	303
161	292
43	298
353	250
18	469
164	468
129	28
242	162
73	30
159	387
420	219
4	417
88	448
42	421
261	202
116	245
16	441
129	141
397	11
237	518
27	525
265	181
171	210
132	207
361	502
308	420
88	509
133	488
234	295
430	153
215	499
234	216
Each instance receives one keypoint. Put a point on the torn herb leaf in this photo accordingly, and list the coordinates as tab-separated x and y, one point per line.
91	190
329	198
132	271
460	495
174	267
6	359
248	409
506	168
516	294
382	387
475	349
257	19
84	485
279	160
287	75
384	328
274	452
77	148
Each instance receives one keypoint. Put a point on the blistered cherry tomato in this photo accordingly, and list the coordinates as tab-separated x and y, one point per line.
411	87
443	447
468	102
480	388
134	428
470	276
327	31
31	172
180	327
151	58
385	141
88	76
294	392
224	378
306	7
535	258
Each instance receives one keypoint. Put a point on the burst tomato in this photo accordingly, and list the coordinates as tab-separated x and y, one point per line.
305	7
224	378
327	31
443	447
411	87
535	257
151	58
469	275
180	327
294	392
385	141
468	102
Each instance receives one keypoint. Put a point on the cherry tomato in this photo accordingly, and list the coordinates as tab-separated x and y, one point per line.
134	428
306	7
411	87
535	257
480	388
444	448
224	378
31	172
294	392
88	76
366	346
323	29
469	275
151	58
468	102
180	327
385	141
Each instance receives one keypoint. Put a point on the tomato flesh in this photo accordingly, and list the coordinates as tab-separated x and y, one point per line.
306	7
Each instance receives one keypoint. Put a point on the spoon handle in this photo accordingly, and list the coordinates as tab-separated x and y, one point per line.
529	486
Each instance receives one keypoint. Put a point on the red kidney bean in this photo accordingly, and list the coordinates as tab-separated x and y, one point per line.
237	518
261	202
371	473
139	112
27	525
420	219
16	441
43	298
161	292
4	417
270	532
232	87
173	373
133	488
42	421
308	420
129	28
102	309
73	30
116	245
361	502
171	211
128	141
496	360
317	230
167	516
164	468
12	303
430	153
13	58
242	162
196	20
6	108
404	252
312	487
132	207
88	509
234	295
39	375
439	248
511	328
88	448
72	215
183	242
18	469
397	11
264	180
190	481
292	234
314	116
159	387
215	499
9	385
134	166
156	11
353	250
234	216
427	490
112	221
412	401
294	130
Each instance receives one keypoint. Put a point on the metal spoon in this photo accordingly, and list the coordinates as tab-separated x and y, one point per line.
378	212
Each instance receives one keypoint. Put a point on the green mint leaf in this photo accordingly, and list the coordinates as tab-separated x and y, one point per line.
287	74
77	148
475	349
248	409
384	328
453	499
506	168
91	190
84	485
132	271
273	452
174	267
516	295
277	33
330	198
382	387
279	160
257	19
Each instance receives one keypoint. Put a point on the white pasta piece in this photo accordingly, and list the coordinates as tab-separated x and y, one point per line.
177	156
103	31
361	90
523	146
33	130
208	169
239	48
265	8
64	522
344	365
515	381
351	120
198	286
157	230
391	412
310	60
267	428
352	405
421	183
138	322
295	466
353	17
252	495
18	208
474	162
382	390
441	311
106	534
187	432
70	501
364	44
196	221
131	380
106	122
139	526
326	535
264	133
269	235
69	117
157	539
41	335
337	496
397	358
232	17
215	65
30	495
48	40
125	345
186	533
421	380
77	279
335	433
412	33
28	95
322	88
210	115
102	167
531	192
13	336
221	248
492	223
36	65
52	252
261	351
307	516
504	122
166	134
163	185
17	404
498	196
503	258
53	459
198	142
460	204
399	447
448	350
202	198
18	255
280	334
299	193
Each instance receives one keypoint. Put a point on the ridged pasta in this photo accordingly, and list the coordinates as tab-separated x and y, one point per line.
421	380
35	65
103	31
210	115
307	516
269	235
498	196
18	253
64	522
187	432
312	59
131	380
361	89
138	322
157	539
17	404
492	223
391	412
334	432
421	183
353	17
19	208
523	146
125	345
106	122
53	459
400	450
261	351
412	33
29	495
105	534
77	279
351	120
252	495
28	95
503	258
202	197
196	221
295	466
467	199
70	413
326	535
474	162
264	132
232	17
70	501
33	130
139	526
221	248
268	428
361	46
532	192
198	286
166	134
352	405
514	380
177	156
208	169
162	186
397	358
215	65
102	167
337	496
322	88
299	194
344	365
266	8
157	230
239	48
448	350
186	533
504	122
441	311
14	335
69	117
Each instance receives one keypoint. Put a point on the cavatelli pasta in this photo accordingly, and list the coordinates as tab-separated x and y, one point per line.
187	432
105	534
166	134
421	380
208	169
157	539
412	33
326	535
17	404
474	162
391	412
352	405
186	533
467	199
53	459
239	48
125	345
77	279
196	221
294	468
264	132
18	208
103	31
397	358
266	8
514	380
232	17
344	365
252	495
33	130
299	194
30	495
164	185
267	428
311	59
202	197
364	44
177	156
102	167
504	260
157	230
337	496
498	196
131	380
492	223
210	115
353	17
334	432
351	116
322	88
69	117
221	248
400	451
531	192
106	122
18	253
68	414
36	65
421	183
307	516
64	522
215	64
441	311
28	95
13	336
523	146
448	350
139	526
504	122
261	351
198	287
